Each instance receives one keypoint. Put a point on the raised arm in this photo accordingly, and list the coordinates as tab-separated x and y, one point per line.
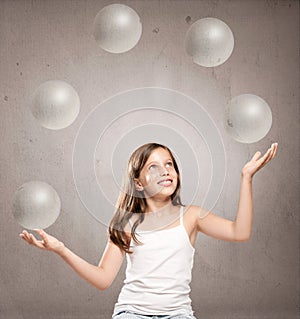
240	228
100	276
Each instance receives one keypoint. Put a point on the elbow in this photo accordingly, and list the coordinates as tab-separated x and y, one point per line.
103	286
104	280
242	238
241	234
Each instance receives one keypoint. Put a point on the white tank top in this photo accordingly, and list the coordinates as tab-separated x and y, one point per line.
158	273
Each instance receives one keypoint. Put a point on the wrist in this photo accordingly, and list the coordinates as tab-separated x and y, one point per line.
60	249
246	177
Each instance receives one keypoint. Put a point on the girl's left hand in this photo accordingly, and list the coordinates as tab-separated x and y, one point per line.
258	161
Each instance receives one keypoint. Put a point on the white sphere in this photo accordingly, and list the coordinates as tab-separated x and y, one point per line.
36	205
248	118
55	104
209	42
117	28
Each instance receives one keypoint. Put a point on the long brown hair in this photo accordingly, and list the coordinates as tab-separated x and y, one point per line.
131	201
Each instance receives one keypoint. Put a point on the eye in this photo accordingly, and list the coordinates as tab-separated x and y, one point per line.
169	164
152	167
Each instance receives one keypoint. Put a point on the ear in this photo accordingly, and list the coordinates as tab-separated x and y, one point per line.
138	186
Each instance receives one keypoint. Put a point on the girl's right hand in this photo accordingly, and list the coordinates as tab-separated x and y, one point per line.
47	243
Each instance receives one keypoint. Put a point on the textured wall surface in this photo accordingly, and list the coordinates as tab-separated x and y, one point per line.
52	39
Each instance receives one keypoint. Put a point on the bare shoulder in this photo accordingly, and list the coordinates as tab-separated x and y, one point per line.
195	211
191	210
193	215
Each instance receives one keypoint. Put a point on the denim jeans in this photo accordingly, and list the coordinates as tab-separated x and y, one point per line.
131	315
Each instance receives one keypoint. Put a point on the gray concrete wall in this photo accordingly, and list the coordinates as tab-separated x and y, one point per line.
43	40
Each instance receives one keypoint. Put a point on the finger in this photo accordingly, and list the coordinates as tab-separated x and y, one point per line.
263	159
26	236
256	156
23	237
25	232
271	152
22	234
275	146
30	239
36	242
43	235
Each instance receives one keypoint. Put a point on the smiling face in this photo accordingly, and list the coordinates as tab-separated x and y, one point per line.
158	177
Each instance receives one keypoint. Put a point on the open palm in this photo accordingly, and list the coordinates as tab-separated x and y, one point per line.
258	161
48	242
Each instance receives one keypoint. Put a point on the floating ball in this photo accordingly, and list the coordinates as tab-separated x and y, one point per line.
55	104
209	42
248	118
117	28
36	205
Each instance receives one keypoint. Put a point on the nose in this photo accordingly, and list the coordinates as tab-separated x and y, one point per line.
164	171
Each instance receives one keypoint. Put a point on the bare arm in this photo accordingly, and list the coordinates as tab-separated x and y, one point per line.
240	228
100	276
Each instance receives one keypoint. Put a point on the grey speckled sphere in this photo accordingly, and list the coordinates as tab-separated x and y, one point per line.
209	42
117	28
36	204
55	104
248	118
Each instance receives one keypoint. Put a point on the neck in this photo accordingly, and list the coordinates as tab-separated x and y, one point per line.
154	206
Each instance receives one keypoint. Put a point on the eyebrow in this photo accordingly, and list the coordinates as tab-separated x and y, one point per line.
167	160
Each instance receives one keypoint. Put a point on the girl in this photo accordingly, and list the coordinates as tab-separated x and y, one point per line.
156	233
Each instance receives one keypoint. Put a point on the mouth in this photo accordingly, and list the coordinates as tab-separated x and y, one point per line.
165	182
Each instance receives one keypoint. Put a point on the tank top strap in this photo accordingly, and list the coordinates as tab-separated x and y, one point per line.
181	215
